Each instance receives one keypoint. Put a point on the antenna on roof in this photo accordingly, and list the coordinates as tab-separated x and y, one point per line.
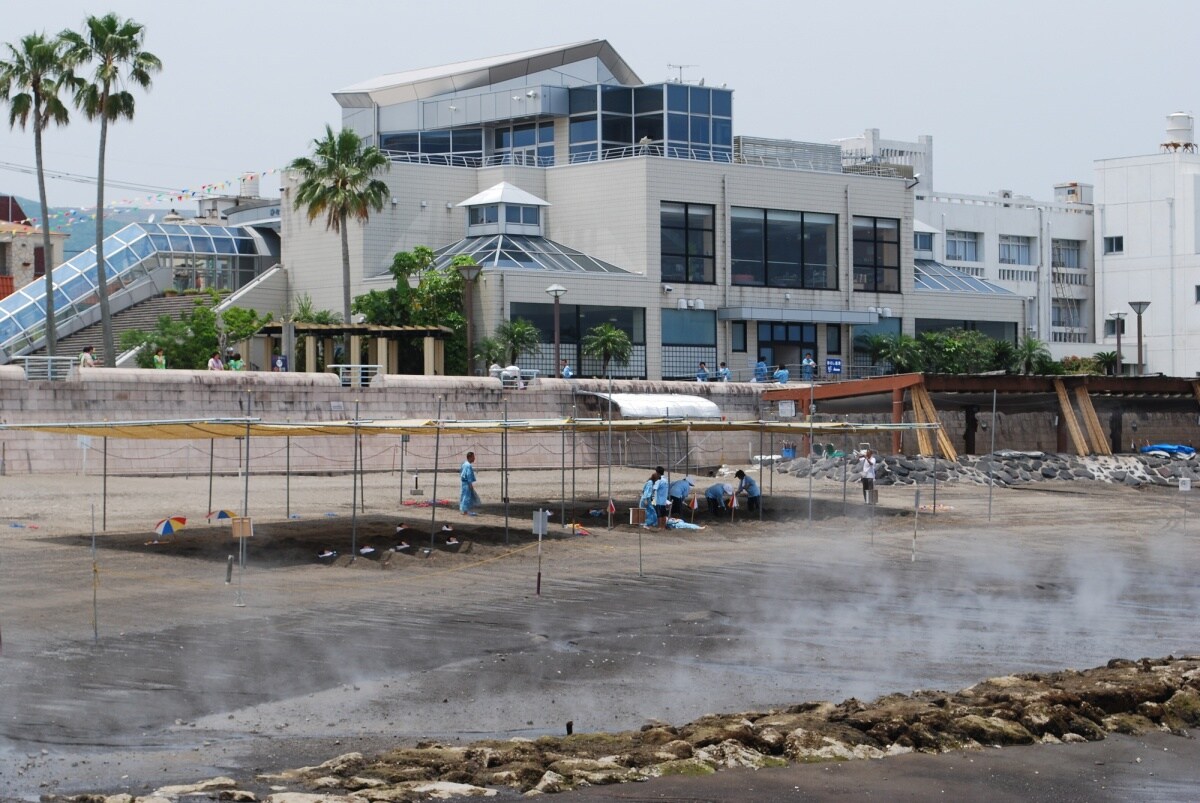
681	68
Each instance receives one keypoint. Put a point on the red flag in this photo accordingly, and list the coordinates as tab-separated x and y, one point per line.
612	507
695	503
733	502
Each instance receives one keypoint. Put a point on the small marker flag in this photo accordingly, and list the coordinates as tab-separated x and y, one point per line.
695	502
612	507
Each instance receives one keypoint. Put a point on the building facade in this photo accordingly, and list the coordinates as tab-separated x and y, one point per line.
714	247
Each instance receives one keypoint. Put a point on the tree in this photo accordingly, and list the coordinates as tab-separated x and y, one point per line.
30	80
1106	361
489	350
306	313
902	351
1032	355
338	182
607	343
518	336
189	341
112	48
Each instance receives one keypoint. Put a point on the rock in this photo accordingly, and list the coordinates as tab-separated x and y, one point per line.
305	797
124	797
688	766
550	784
993	730
731	753
443	790
1049	472
1183	708
677	749
211	785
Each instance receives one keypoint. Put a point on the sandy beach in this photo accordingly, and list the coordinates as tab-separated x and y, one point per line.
184	676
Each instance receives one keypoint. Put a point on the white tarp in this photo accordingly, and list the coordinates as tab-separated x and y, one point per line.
662	405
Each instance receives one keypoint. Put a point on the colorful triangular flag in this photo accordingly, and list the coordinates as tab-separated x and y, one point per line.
612	507
695	502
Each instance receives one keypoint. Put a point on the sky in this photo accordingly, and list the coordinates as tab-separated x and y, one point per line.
1017	95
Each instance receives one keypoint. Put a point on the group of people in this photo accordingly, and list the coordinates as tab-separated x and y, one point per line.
721	375
232	361
781	374
87	358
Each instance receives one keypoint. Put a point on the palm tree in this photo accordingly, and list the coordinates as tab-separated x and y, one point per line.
30	80
517	337
1032	355
111	48
1106	361
338	182
607	343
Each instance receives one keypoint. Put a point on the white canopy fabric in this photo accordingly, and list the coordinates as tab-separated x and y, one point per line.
662	405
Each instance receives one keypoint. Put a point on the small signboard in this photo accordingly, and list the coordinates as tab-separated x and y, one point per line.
833	365
1185	484
242	526
787	408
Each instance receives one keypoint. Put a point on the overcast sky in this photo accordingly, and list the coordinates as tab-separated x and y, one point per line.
1017	95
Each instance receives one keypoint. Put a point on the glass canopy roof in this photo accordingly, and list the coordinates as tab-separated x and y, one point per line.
931	275
522	252
129	254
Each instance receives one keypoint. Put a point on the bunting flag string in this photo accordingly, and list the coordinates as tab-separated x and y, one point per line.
65	220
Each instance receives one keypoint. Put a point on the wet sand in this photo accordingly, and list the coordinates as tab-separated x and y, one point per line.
183	684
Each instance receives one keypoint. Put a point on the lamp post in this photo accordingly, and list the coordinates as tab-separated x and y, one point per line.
1119	321
1139	307
470	272
557	291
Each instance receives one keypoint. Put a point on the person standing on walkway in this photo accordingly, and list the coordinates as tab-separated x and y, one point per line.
564	370
214	362
86	358
702	373
467	498
760	369
723	372
866	467
647	501
160	359
808	365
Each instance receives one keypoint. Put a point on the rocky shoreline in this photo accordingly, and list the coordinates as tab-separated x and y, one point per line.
1124	696
1007	468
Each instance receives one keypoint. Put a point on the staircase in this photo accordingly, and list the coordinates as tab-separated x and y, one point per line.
143	316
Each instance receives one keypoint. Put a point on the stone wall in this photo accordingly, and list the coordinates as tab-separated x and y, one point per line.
114	394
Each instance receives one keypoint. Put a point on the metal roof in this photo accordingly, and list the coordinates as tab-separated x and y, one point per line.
504	193
523	252
933	276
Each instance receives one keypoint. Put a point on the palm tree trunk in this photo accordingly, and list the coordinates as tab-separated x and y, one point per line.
47	261
346	285
110	354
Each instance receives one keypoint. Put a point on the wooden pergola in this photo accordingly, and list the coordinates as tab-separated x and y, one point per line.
380	343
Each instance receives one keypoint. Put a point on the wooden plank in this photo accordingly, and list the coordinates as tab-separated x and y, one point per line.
1088	411
945	445
924	444
1068	414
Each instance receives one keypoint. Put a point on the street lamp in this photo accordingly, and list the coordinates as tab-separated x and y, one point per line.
557	291
470	272
1139	307
1119	320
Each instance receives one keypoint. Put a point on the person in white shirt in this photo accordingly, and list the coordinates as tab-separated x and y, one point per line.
214	362
866	467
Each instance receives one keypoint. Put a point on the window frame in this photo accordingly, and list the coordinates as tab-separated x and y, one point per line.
695	239
875	268
1013	248
957	237
1114	244
764	259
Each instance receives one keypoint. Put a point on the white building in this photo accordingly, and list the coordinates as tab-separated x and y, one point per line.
1147	210
1040	250
702	245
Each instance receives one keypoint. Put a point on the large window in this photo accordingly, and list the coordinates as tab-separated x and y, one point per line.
963	246
575	321
1016	250
776	248
922	241
1066	253
689	337
687	243
877	254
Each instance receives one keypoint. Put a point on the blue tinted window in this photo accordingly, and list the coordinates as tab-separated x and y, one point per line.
171	228
583	129
142	248
512	213
529	215
468	139
700	100
677	97
699	130
677	127
180	244
76	288
118	260
435	142
583	153
160	241
648	99
722	132
503	139
546	133
583	99
224	245
245	245
722	102
617	99
648	127
618	130
202	244
524	136
404	142
9	328
545	155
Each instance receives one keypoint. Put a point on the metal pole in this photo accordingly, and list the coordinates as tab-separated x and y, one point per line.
845	468
562	507
574	432
1139	334
354	491
403	449
104	490
608	506
936	449
95	581
504	465
246	476
916	516
992	458
287	482
211	448
761	460
811	465
557	347
437	453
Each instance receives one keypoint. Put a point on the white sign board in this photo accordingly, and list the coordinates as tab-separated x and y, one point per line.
1185	484
787	408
